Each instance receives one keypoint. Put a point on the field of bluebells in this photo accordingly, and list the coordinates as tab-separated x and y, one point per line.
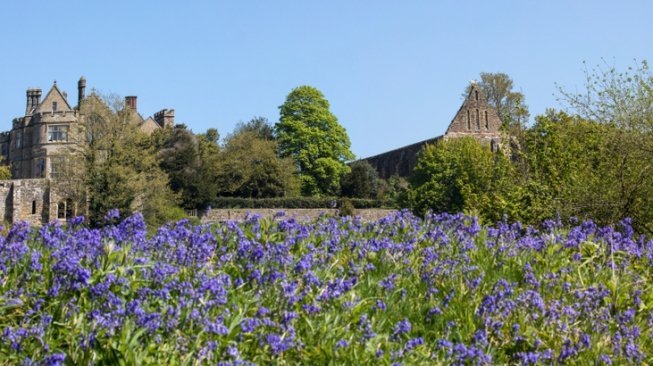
403	290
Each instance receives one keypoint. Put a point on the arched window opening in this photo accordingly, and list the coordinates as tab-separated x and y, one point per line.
487	124
478	121
70	208
61	210
33	207
469	121
476	94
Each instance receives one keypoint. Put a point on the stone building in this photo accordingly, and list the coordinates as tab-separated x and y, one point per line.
475	118
38	148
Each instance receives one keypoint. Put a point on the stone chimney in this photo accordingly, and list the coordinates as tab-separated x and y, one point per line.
33	99
29	93
130	102
81	91
37	97
165	118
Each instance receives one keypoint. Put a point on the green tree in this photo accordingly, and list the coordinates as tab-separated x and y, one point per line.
361	182
462	175
259	125
623	102
311	135
191	161
250	167
565	158
121	169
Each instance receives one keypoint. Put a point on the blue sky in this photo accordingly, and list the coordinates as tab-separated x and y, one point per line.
393	71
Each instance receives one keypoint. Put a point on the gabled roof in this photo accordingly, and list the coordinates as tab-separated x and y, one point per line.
149	125
475	115
54	95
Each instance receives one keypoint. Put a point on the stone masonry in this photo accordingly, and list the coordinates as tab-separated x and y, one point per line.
40	145
475	118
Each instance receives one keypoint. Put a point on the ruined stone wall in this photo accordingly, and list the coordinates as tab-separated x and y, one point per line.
302	215
31	201
6	200
399	162
475	118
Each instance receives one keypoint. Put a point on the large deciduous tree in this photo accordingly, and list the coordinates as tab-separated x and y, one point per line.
361	182
121	169
310	134
250	167
462	175
191	162
622	101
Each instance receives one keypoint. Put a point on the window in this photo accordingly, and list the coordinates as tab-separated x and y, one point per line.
19	140
70	208
478	121
61	210
33	207
57	166
469	121
487	125
40	167
54	107
476	94
5	150
58	133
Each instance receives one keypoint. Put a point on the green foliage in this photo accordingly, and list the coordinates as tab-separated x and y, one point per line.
296	202
564	159
191	162
361	182
346	207
311	135
121	169
461	175
250	167
259	126
622	102
5	169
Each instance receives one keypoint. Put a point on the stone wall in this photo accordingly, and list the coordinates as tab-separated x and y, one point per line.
6	200
303	215
475	118
31	201
399	162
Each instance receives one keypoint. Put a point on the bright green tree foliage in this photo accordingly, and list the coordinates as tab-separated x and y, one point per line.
564	158
250	167
462	175
311	135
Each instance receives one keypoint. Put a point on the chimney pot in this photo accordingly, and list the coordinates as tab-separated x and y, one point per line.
131	103
81	91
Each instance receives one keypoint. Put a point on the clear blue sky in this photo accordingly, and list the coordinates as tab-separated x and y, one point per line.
393	71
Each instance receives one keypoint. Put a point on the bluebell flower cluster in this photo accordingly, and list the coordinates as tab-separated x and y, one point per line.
403	290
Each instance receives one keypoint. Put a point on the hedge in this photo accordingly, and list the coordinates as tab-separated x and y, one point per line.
297	202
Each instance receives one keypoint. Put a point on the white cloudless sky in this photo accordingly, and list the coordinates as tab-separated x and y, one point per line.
393	71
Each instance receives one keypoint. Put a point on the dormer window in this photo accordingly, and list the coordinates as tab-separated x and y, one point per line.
57	133
54	107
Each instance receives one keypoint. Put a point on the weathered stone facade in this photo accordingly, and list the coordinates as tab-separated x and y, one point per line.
39	146
35	200
475	118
